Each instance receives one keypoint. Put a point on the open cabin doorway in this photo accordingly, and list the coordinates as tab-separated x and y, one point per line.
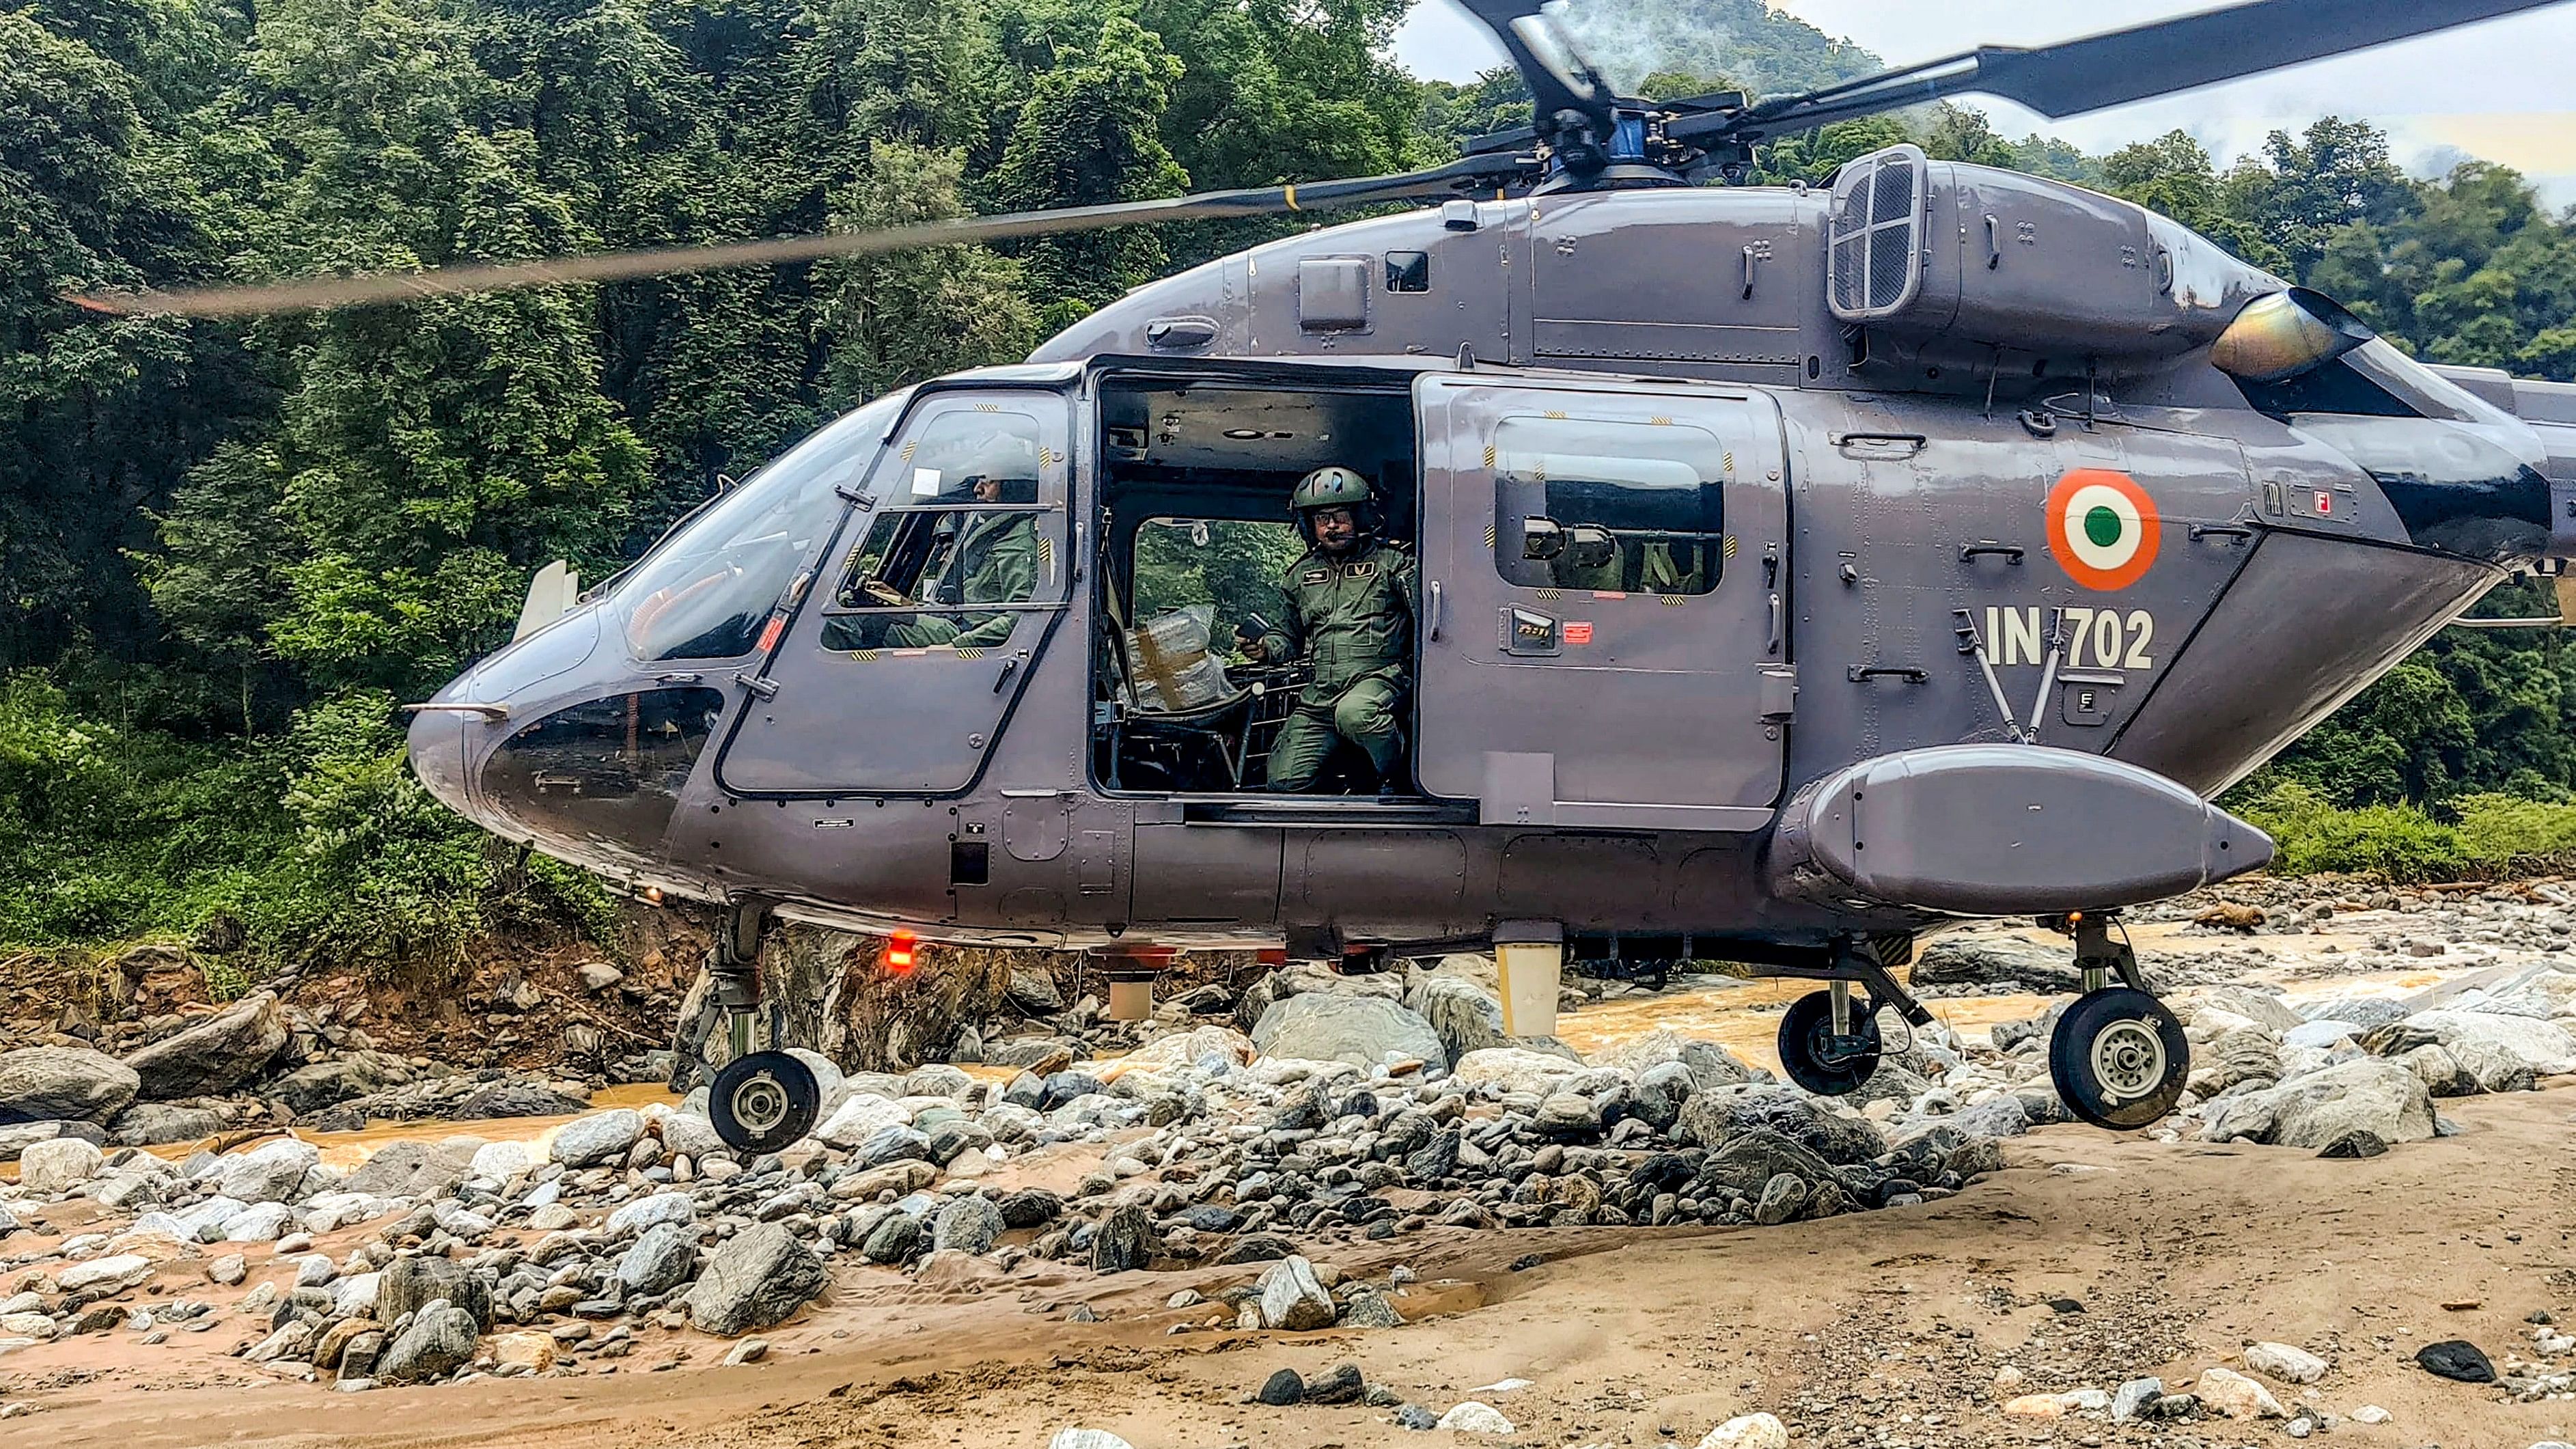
1196	538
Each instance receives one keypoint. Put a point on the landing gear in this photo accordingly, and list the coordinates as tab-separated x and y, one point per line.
763	1102
1828	1044
2118	1057
1829	1041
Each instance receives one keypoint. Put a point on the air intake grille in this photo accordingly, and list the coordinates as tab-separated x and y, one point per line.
1875	234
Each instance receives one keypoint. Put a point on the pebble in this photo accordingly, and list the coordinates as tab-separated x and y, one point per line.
1748	1431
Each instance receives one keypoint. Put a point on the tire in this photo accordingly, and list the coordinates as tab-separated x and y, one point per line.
763	1102
1806	1049
2119	1059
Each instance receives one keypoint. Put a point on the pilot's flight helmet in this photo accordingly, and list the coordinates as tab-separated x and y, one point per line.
1334	487
1008	459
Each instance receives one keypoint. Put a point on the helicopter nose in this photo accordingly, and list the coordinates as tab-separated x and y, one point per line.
437	748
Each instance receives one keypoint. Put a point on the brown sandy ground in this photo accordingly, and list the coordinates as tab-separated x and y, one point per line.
1883	1328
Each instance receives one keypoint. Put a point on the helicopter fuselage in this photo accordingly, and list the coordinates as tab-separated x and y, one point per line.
1986	538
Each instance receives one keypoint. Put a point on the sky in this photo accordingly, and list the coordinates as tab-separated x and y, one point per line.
2504	90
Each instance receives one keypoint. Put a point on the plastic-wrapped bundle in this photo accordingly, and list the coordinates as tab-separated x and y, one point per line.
1173	668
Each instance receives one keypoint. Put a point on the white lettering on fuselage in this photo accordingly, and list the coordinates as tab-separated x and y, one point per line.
2095	638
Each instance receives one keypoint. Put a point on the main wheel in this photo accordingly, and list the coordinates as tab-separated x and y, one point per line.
1817	1060
2119	1058
763	1102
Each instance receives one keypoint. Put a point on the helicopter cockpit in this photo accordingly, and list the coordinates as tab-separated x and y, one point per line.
1195	534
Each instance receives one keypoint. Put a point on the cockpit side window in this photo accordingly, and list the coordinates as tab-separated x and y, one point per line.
1614	506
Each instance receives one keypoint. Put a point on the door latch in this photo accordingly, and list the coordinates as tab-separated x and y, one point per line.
760	687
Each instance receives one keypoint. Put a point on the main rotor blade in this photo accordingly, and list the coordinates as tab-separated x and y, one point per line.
2114	69
317	293
1559	76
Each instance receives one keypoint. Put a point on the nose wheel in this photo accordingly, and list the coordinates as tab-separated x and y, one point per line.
763	1102
2119	1058
1826	1059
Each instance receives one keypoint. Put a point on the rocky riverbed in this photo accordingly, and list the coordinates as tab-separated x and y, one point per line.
1362	1158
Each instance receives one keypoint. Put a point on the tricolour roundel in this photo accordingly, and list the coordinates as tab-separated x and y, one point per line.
2102	528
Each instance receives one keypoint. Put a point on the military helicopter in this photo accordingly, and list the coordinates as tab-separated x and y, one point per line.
1803	571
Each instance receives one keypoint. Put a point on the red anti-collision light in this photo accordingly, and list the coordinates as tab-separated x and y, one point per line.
898	952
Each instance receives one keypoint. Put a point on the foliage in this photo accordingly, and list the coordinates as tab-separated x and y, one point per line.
2400	842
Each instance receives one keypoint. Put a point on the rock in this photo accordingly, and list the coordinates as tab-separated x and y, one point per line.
1472	1417
1370	1310
228	1270
2236	1396
659	1260
2281	1361
1954	962
313	1087
1747	1164
1365	1031
525	1352
1566	1117
861	1116
1255	1248
2246	1054
750	1350
1414	1416
1341	1384
757	1278
215	1055
40	1084
968	1224
270	1172
1087	1439
58	1164
597	1138
1462	1014
1282	1389
660	1207
2230	916
1992	1119
897	1238
1033	991
2456	1359
409	1284
2354	1142
1748	1431
500	1161
2131	1399
439	1342
1031	1207
2370	1414
1715	1117
2261	1005
1124	1242
259	1223
2323	1032
105	1275
689	1134
1782	1197
2371	1094
2543	1046
598	976
1292	1298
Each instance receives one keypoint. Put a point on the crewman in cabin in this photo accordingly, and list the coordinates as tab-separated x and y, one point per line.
1349	608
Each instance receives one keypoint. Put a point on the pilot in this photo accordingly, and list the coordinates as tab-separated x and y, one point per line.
981	558
1349	607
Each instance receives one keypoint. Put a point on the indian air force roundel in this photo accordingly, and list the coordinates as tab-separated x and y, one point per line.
2102	528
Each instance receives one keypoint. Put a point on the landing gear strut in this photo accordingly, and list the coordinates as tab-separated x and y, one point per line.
1829	1043
761	1101
2118	1057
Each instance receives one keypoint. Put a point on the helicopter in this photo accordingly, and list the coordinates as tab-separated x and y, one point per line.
1803	571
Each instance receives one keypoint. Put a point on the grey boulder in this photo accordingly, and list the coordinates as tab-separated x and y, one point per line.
968	1224
408	1285
2385	1098
597	1138
1713	1118
215	1055
1337	1027
39	1084
439	1342
757	1278
660	1260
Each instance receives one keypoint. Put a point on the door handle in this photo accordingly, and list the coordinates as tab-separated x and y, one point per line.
1435	610
1994	243
1777	619
1009	667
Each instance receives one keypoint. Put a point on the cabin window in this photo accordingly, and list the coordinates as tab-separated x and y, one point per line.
1610	506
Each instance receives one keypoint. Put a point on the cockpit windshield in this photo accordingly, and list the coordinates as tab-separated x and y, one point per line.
703	593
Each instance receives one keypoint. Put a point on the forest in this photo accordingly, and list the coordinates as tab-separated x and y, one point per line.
229	549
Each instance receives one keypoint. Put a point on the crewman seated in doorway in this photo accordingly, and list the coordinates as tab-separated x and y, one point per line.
1349	608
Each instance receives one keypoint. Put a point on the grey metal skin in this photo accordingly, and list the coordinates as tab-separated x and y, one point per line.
1679	773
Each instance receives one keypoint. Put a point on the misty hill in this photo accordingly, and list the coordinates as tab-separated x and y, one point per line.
1745	42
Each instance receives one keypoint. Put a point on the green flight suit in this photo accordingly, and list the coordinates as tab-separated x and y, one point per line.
1353	617
993	560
